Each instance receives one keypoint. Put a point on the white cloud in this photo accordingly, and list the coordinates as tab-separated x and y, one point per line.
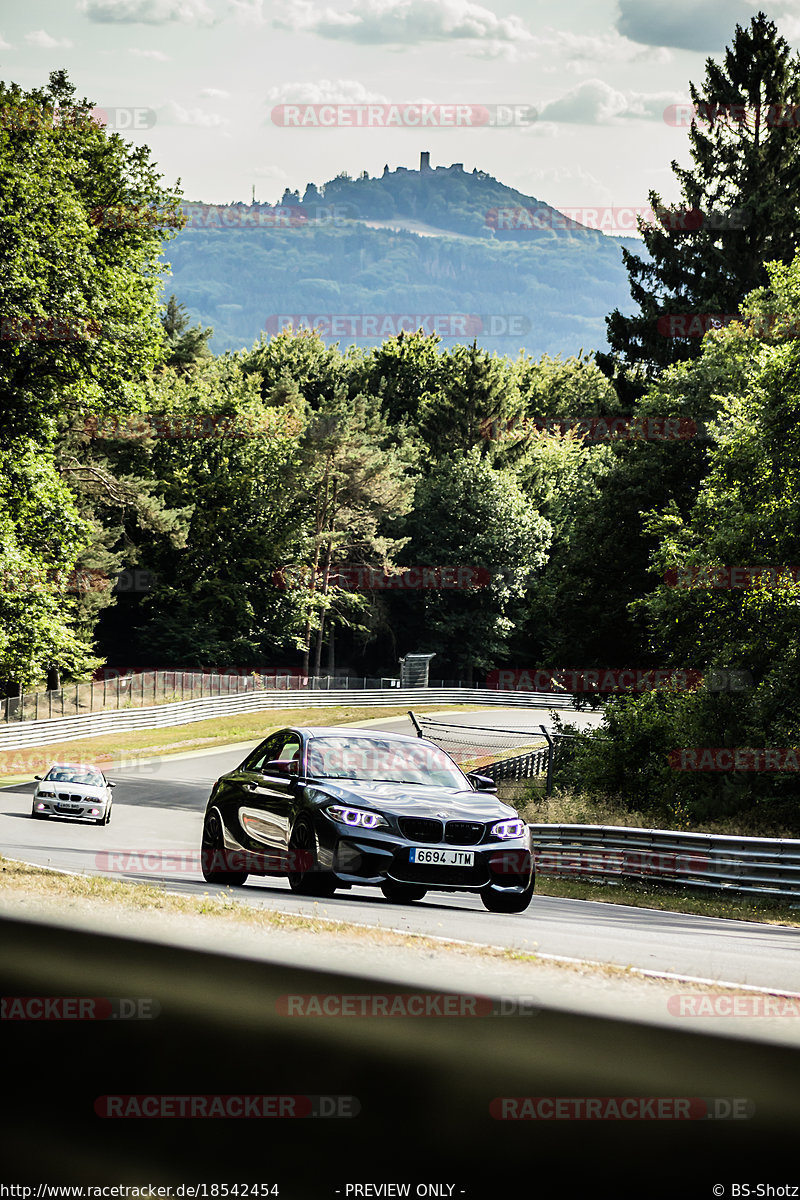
5	45
407	22
175	114
583	51
701	25
594	102
324	91
43	41
789	26
275	174
215	94
250	12
157	55
148	12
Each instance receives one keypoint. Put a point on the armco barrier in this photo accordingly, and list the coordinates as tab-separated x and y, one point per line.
610	853
68	729
428	1088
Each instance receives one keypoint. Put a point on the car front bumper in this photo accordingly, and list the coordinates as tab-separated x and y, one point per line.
86	808
372	859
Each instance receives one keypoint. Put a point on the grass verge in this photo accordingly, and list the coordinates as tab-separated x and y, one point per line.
566	807
41	883
679	900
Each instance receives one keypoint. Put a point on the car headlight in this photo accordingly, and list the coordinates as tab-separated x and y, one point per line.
508	829
46	792
356	818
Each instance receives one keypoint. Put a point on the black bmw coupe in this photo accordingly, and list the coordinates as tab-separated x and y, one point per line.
332	808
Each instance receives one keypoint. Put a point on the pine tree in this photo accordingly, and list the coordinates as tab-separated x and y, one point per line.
184	346
741	197
476	401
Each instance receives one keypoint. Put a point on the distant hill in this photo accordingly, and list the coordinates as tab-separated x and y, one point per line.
458	252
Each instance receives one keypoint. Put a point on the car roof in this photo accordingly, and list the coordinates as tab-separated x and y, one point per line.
352	731
74	766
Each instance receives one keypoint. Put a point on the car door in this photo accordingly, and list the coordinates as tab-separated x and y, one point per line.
268	797
239	786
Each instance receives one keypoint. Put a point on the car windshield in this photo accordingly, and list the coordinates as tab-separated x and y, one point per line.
74	775
382	761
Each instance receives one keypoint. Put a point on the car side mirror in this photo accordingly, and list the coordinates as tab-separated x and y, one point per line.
482	783
282	766
110	783
37	777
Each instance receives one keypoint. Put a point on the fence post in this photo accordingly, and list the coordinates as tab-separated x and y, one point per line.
550	747
36	710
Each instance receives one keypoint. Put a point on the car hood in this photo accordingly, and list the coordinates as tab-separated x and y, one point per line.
90	791
417	800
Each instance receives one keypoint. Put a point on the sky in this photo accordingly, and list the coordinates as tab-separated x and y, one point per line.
201	82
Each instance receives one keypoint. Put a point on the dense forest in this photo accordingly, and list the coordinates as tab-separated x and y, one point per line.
591	511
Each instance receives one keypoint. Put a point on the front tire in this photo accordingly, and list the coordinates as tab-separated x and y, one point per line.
212	853
402	893
309	880
507	902
39	816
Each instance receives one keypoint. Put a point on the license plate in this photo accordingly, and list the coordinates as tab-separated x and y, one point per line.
442	858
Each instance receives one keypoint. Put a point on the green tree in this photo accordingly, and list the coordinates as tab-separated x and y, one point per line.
41	537
185	345
745	513
84	217
468	514
234	467
745	146
478	399
360	477
405	371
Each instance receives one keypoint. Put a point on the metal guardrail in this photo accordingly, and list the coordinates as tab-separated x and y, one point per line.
143	689
66	729
611	854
